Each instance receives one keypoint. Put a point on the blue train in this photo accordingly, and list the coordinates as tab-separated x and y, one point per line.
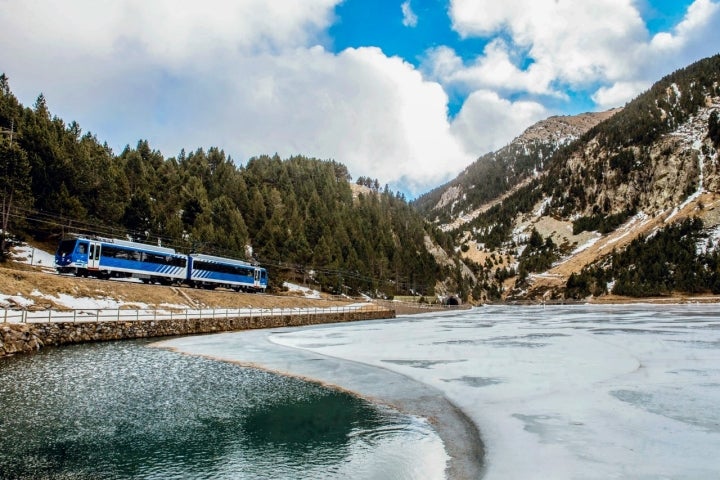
109	257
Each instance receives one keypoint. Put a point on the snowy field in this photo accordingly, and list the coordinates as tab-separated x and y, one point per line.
582	392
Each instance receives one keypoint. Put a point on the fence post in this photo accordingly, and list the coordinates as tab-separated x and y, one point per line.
23	316
5	321
74	316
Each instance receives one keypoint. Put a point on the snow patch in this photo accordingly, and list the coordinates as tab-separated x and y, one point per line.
33	256
305	291
10	301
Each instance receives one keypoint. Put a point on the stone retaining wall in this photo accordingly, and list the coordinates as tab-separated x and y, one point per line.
30	337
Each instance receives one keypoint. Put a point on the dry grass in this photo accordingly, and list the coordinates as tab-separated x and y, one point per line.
31	283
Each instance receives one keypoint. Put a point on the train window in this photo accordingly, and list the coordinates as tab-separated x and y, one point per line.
120	253
222	268
82	248
153	258
177	261
66	247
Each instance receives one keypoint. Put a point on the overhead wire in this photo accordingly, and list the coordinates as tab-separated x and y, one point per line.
97	228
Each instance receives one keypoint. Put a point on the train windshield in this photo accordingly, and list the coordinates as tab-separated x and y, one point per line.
66	247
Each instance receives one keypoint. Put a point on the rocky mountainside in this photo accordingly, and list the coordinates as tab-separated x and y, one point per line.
496	174
563	202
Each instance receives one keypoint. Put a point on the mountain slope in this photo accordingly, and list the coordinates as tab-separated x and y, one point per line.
495	174
576	210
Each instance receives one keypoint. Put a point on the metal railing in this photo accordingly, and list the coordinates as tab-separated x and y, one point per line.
125	315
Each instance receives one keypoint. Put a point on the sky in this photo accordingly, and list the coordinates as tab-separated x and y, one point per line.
406	91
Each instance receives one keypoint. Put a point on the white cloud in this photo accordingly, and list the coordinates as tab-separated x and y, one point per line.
409	17
245	78
618	93
495	69
488	122
373	113
577	41
240	75
166	31
695	37
576	44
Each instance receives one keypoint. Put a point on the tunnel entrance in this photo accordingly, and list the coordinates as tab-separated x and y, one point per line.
452	301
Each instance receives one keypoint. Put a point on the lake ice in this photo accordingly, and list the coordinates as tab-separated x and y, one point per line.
561	392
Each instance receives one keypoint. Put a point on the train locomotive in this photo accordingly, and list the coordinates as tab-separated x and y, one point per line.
113	258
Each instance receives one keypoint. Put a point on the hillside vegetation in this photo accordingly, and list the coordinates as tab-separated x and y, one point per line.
544	218
296	216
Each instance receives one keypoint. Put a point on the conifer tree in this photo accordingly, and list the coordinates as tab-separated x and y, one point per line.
14	184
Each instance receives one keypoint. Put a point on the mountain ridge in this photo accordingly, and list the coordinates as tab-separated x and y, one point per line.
652	162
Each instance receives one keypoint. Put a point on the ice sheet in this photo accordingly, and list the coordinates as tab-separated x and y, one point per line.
591	392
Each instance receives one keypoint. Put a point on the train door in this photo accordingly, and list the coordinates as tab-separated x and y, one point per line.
257	278
93	256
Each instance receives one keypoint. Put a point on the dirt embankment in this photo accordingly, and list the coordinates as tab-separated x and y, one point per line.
37	290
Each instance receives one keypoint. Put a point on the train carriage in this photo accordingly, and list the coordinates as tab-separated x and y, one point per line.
105	258
210	272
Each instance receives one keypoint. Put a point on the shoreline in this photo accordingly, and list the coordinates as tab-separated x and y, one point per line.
460	436
669	300
611	300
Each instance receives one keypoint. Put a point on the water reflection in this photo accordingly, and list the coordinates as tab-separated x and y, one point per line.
122	410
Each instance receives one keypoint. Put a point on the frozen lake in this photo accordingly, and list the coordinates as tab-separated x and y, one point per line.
563	392
122	410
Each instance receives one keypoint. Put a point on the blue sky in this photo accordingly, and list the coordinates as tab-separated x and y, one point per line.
409	92
407	32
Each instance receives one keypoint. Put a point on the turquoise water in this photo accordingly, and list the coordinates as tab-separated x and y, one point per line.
124	410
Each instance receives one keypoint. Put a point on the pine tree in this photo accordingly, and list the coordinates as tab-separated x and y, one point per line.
14	183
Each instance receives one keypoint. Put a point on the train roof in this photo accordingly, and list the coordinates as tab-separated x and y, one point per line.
211	258
129	244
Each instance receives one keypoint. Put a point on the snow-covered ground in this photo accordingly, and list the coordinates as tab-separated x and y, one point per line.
305	291
33	256
591	392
